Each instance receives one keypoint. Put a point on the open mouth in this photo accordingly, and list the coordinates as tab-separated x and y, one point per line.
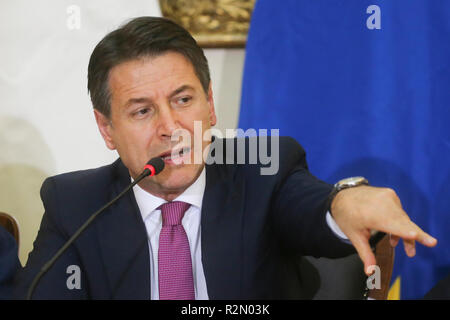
174	155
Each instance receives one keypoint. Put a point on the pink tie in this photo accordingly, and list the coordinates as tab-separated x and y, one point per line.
174	257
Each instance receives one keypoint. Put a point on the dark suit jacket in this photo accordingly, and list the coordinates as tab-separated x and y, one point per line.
441	291
9	263
253	228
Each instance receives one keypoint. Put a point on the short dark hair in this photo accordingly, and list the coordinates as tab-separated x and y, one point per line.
140	37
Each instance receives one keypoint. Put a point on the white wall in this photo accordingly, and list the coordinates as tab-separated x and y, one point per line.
46	120
226	75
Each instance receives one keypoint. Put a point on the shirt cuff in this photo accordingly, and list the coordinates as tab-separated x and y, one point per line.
335	228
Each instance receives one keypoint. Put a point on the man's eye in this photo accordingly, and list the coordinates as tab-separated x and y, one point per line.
183	100
141	112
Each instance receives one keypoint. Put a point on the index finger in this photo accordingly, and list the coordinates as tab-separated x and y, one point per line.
424	238
404	228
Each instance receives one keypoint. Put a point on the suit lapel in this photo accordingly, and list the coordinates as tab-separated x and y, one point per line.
221	227
126	256
123	243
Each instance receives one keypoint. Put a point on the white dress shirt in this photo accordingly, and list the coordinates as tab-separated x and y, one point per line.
148	205
193	195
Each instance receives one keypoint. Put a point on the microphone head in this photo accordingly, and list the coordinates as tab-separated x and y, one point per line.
155	165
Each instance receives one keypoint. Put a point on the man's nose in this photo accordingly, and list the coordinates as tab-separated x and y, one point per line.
167	122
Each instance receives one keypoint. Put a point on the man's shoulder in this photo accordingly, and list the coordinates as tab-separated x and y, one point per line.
88	175
284	141
9	262
7	242
282	145
84	183
283	149
258	157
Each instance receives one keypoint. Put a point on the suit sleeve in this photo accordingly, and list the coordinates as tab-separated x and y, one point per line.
57	283
300	208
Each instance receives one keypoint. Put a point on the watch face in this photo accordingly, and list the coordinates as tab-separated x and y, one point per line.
353	181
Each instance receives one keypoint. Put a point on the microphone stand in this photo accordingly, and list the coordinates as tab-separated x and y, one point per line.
149	169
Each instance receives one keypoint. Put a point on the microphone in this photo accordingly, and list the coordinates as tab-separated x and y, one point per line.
152	168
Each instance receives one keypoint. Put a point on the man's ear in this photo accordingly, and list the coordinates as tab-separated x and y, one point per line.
212	111
105	126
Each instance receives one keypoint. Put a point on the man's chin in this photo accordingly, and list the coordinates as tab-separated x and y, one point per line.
177	178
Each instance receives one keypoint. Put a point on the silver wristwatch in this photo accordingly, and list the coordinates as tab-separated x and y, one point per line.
345	184
349	183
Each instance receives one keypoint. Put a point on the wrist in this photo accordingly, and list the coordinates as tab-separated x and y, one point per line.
342	185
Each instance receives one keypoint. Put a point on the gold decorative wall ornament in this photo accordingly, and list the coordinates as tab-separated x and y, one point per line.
213	23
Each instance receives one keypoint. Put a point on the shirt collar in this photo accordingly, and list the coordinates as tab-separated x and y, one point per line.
193	195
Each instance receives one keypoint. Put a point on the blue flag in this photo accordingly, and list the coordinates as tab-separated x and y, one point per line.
364	86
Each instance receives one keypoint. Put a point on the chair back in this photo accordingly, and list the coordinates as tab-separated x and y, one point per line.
384	254
344	278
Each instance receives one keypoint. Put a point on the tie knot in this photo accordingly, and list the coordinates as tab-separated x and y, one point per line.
173	212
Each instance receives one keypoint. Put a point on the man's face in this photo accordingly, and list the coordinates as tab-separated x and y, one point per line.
150	99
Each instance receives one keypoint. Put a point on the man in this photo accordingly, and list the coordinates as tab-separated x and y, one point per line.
237	232
9	263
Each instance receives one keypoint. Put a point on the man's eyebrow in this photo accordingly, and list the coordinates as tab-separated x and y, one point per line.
181	89
137	100
144	100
